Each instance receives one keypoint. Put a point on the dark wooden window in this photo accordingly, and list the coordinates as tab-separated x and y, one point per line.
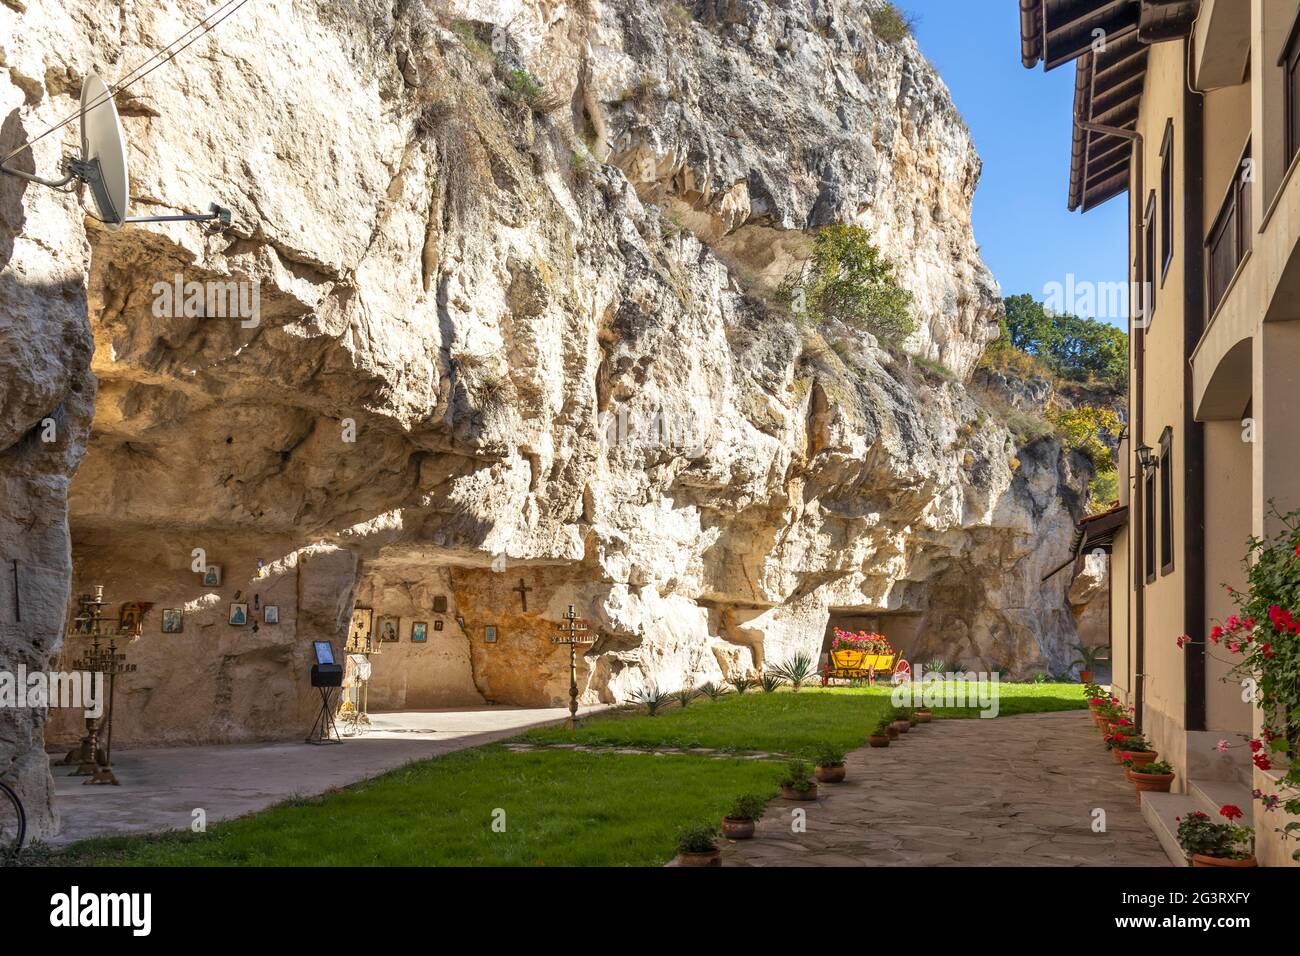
1231	235
1291	84
1149	263
1167	201
1166	502
1149	525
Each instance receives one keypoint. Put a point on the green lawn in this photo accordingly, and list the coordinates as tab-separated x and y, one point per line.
785	722
561	807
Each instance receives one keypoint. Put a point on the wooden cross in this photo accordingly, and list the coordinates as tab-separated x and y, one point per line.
523	590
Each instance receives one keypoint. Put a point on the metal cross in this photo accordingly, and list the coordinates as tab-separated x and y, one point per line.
523	590
572	633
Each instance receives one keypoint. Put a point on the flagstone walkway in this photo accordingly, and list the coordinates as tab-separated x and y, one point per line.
1015	791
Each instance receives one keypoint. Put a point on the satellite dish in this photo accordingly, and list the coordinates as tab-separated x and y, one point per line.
102	164
104	146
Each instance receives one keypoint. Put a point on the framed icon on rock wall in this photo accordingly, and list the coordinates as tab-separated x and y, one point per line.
389	629
419	632
238	614
362	621
173	620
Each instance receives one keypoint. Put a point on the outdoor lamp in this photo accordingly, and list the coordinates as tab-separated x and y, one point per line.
1145	458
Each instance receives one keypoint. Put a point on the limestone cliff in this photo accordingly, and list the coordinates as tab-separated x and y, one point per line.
512	346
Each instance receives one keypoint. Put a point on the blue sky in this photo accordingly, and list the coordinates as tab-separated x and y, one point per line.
1020	120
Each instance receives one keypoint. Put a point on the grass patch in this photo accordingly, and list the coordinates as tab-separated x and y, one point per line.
800	724
561	809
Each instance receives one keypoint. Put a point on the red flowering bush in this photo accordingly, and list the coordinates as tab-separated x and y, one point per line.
1265	633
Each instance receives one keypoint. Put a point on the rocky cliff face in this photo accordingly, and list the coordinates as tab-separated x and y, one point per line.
511	349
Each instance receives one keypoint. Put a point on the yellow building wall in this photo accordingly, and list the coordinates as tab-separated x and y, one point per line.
1164	693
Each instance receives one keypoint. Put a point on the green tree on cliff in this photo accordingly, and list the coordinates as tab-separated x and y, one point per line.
846	279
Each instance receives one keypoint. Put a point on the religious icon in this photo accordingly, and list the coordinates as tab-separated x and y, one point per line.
130	619
212	576
437	625
440	604
359	632
490	634
388	630
271	614
239	614
419	632
173	621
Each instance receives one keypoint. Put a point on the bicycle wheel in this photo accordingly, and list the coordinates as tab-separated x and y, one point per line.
13	822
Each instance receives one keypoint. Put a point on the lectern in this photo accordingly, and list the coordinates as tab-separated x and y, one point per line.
326	677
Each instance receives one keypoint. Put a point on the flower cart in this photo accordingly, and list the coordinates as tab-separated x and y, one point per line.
859	656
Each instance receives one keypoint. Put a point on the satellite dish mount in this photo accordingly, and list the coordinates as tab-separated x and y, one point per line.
102	163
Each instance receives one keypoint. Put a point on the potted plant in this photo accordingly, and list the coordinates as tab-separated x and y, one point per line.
738	824
830	766
698	846
1207	843
880	736
1154	777
1087	661
901	723
1135	752
924	716
798	782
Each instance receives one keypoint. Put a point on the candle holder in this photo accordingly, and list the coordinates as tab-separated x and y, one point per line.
573	631
91	760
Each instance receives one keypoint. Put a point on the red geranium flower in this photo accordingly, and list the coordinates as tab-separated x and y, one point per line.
1262	761
1230	812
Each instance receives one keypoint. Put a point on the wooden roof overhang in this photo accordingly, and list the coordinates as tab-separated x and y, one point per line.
1093	532
1109	78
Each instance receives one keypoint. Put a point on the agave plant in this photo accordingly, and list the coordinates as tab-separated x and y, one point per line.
740	683
1088	657
770	681
686	695
652	697
712	691
797	671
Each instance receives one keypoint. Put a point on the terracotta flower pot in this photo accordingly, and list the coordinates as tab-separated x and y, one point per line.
893	732
832	774
902	726
792	794
1085	677
712	858
1149	782
924	716
1140	758
737	829
882	741
1199	859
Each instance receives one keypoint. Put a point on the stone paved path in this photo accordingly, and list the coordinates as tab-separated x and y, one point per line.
1015	791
